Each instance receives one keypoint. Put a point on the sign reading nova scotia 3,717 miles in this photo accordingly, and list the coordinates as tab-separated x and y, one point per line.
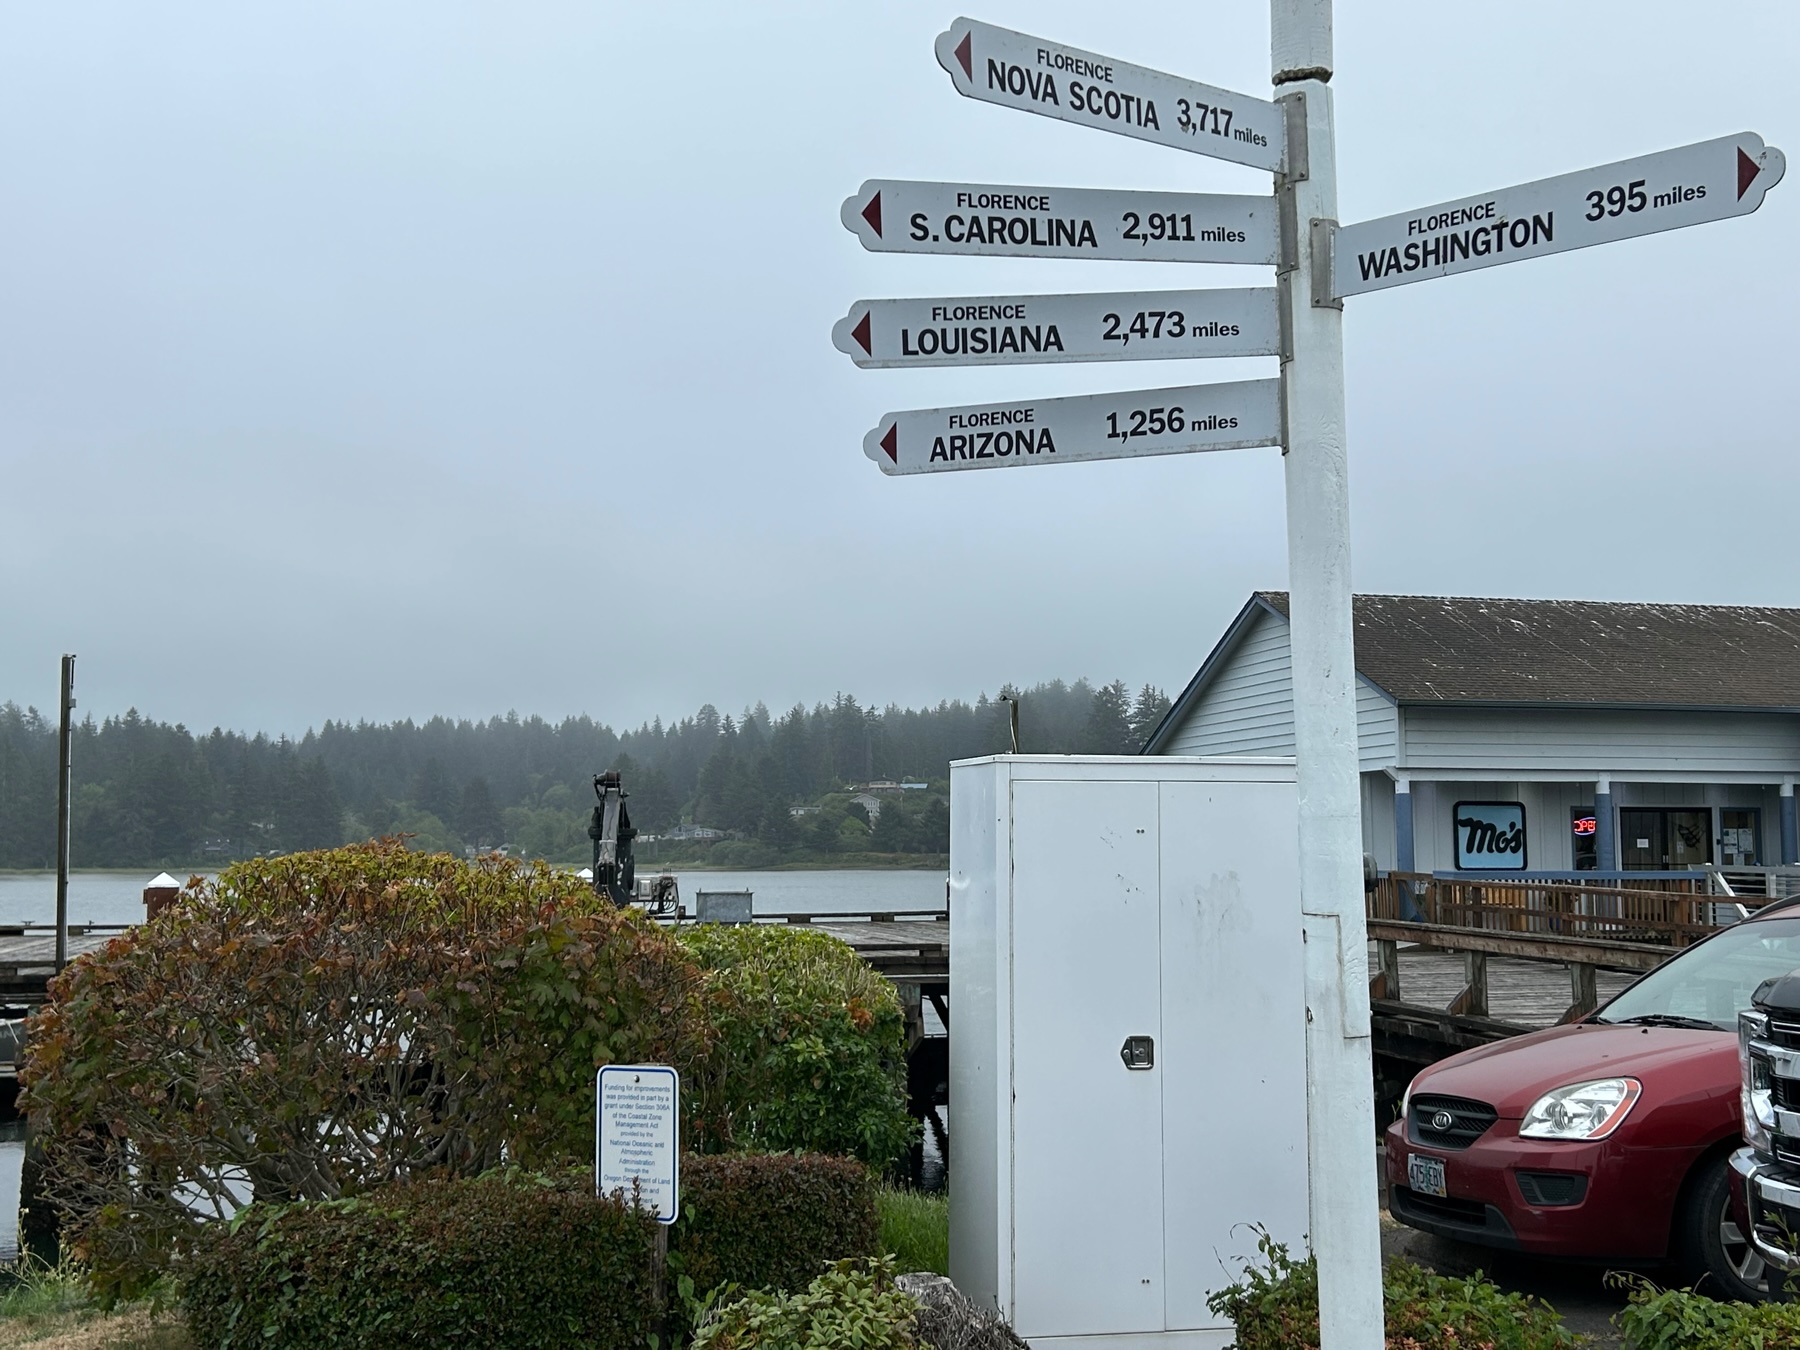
1690	185
1032	74
1007	330
896	216
1089	426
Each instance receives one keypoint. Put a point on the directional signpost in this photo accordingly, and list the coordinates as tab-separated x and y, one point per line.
1032	74
1691	185
1013	330
1089	426
1318	263
892	216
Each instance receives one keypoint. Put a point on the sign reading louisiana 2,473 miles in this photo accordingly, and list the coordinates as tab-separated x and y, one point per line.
1033	74
1690	185
1227	416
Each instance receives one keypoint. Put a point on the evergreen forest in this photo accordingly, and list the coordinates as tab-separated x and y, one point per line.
775	787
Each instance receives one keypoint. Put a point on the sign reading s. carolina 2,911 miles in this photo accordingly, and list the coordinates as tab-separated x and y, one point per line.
896	216
1006	330
1690	185
1090	426
1033	74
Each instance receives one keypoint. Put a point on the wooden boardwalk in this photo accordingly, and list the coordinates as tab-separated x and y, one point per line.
1529	994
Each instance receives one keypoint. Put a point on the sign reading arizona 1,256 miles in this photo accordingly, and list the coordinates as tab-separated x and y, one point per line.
1138	422
1032	74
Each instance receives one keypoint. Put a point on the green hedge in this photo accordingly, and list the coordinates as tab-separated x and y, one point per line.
771	1221
512	1260
852	1304
494	1261
1677	1319
1275	1306
809	1046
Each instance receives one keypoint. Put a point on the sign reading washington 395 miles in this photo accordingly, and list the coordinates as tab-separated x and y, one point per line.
1690	185
1033	74
1126	425
637	1146
1008	330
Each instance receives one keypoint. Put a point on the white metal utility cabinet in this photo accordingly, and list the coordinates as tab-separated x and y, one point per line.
1128	1049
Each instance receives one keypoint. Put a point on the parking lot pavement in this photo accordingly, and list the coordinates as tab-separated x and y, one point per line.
1578	1292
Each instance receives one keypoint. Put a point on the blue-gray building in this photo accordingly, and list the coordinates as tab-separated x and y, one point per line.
1537	735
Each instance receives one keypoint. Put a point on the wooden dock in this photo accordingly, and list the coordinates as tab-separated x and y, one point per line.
28	956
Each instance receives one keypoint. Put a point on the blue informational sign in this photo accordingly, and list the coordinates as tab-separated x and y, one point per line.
1490	836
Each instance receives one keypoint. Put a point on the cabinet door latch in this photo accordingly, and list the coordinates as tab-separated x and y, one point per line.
1138	1052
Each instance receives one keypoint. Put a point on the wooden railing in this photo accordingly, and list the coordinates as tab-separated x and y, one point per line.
1672	913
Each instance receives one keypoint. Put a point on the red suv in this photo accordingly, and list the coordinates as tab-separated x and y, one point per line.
1606	1139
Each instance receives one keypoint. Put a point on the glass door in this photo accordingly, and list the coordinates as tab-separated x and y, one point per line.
1739	845
1660	839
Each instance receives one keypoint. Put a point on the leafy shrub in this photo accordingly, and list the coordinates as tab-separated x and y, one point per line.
853	1304
810	1050
309	1027
501	1261
1275	1306
915	1229
771	1221
1679	1319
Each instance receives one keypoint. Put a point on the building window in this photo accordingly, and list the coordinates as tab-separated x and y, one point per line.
1584	844
1490	836
1657	839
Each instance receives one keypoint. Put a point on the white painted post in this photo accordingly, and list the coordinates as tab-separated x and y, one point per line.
1345	1230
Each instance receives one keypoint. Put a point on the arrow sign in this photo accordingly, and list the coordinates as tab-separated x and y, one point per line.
1092	426
982	220
1032	74
1686	186
1009	330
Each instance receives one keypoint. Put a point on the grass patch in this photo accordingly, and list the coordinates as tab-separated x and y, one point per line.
915	1229
52	1308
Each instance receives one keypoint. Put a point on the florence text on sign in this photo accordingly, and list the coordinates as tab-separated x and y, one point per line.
900	216
1690	185
1016	70
1004	330
1129	425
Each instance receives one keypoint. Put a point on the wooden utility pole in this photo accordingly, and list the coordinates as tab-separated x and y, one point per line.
67	703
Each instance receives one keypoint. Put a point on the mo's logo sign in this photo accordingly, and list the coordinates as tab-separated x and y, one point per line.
1490	836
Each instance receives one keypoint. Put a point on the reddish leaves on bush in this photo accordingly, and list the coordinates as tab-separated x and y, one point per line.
310	1026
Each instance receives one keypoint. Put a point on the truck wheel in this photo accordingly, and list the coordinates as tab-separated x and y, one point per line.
1716	1256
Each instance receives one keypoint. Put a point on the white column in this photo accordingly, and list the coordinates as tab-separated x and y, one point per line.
1345	1229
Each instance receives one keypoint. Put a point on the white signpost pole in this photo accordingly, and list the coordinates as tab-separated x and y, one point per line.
1345	1231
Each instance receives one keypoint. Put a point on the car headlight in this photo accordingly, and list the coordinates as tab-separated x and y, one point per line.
1755	1096
1581	1110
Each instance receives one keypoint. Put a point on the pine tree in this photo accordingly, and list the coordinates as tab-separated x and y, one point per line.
1147	713
1108	729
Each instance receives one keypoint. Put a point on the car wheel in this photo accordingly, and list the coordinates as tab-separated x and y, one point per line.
1716	1256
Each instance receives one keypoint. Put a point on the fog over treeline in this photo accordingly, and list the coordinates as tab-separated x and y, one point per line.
149	793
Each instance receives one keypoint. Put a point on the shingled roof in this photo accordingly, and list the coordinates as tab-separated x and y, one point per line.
1452	649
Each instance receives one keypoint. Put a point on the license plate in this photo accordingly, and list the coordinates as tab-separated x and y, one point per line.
1425	1175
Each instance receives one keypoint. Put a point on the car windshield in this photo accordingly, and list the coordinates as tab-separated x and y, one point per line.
1712	983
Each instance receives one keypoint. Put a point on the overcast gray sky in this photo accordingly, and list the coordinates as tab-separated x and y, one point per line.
380	360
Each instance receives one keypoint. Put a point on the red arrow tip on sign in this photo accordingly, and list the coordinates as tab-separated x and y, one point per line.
1747	171
872	214
963	57
891	442
861	334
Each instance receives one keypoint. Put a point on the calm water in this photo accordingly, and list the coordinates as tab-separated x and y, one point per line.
118	897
